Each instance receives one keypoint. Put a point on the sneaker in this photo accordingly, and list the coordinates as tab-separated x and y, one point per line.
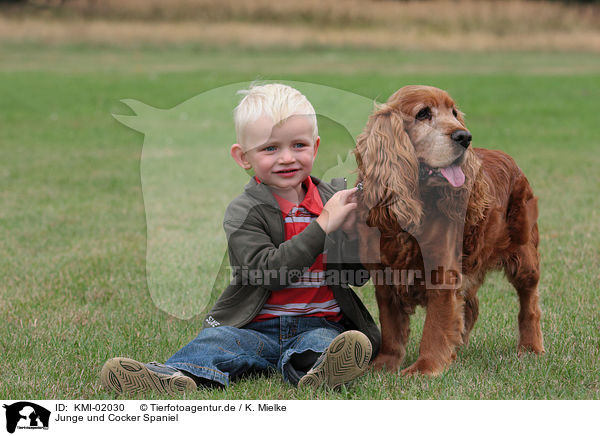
346	358
121	374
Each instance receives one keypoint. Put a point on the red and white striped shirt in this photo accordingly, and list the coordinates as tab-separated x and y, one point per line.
310	296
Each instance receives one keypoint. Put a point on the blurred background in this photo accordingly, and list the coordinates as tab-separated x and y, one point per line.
447	25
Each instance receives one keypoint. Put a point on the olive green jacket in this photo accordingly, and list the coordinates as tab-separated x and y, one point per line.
262	261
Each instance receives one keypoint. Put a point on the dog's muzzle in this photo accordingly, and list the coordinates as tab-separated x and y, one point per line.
425	172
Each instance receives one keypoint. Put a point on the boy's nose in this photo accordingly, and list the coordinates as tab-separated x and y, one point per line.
286	155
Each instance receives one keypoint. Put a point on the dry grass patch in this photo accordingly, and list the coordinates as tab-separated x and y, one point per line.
445	25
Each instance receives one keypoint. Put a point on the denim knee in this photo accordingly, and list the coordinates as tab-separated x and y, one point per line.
221	353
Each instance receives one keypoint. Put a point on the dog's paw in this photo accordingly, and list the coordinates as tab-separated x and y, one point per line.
386	362
422	366
524	348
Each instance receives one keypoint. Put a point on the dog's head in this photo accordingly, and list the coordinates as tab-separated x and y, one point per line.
417	139
437	132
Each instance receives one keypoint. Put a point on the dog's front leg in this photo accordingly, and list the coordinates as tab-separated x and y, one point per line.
441	247
395	328
441	333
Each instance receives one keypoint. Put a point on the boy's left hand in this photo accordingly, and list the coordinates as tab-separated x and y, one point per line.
337	211
349	226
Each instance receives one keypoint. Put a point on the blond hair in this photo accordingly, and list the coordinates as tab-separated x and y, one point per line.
275	101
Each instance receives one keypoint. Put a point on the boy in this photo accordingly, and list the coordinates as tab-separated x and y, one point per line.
281	310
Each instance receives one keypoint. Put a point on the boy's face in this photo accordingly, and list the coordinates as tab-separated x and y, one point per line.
282	156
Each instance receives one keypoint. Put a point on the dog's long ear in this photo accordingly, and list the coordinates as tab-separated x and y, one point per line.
389	171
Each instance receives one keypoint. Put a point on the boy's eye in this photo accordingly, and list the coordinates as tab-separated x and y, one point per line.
300	145
269	148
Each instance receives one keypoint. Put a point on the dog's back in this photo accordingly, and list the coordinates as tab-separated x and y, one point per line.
511	218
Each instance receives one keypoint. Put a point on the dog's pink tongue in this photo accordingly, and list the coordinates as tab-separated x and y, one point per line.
454	175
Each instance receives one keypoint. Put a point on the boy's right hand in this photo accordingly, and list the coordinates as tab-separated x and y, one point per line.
337	209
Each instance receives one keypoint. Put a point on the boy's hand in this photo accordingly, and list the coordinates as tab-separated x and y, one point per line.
337	210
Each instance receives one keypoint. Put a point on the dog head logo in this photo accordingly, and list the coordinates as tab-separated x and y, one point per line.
26	415
187	177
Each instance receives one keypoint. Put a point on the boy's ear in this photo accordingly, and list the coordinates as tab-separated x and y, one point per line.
238	155
317	142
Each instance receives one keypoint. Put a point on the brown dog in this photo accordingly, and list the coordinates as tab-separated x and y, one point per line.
443	214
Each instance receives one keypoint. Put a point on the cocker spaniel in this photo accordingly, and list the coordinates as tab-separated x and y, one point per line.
441	214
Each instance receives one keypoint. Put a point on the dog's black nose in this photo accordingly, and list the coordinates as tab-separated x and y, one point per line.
463	137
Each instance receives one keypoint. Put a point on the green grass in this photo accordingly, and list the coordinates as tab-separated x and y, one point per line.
73	285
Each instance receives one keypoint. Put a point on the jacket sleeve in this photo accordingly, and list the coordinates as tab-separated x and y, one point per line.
256	260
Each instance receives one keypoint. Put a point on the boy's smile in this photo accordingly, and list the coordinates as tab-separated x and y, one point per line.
282	156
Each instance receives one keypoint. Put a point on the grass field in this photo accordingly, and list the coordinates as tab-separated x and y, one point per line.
73	288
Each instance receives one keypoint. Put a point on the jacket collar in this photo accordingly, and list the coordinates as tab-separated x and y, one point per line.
311	202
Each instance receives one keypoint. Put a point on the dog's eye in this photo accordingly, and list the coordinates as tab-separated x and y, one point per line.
424	114
455	113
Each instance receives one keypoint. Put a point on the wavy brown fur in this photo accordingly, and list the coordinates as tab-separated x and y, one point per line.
390	194
409	224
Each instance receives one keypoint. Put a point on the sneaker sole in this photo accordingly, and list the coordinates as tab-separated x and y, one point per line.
121	374
347	357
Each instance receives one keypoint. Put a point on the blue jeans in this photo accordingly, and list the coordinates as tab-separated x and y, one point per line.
289	344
